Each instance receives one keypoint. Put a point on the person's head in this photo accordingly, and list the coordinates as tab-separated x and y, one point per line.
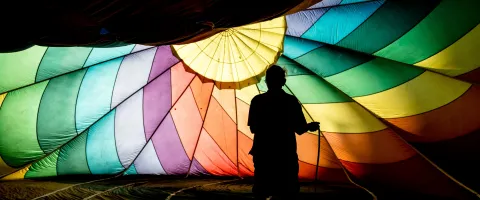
275	77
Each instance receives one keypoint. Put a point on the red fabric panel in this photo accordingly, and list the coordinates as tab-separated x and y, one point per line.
458	157
414	175
471	76
307	173
244	171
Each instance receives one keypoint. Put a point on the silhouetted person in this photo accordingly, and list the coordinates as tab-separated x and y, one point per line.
274	118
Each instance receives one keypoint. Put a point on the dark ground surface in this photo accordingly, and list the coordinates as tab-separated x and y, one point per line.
155	187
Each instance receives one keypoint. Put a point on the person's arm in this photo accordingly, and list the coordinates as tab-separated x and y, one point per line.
253	116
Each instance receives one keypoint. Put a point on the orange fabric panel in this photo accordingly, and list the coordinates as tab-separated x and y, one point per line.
188	121
222	129
327	156
212	158
307	172
414	175
307	148
471	76
383	146
242	116
202	93
180	80
244	145
455	119
226	98
244	171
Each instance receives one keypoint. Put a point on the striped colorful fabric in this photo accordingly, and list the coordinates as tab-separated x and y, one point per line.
394	85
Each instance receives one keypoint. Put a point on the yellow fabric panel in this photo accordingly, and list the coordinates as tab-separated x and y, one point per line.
421	94
307	115
246	94
18	175
309	119
4	168
2	97
226	99
348	117
236	54
459	58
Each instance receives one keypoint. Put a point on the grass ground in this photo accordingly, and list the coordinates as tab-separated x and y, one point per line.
160	187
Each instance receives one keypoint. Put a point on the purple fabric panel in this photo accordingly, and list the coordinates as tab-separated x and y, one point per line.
164	59
156	102
326	3
300	22
169	148
197	168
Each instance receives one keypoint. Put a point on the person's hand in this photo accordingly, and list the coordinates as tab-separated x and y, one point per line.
313	126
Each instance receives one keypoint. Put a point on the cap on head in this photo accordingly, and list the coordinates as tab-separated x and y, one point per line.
275	77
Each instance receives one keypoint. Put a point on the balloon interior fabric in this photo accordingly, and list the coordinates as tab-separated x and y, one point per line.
393	83
103	23
236	57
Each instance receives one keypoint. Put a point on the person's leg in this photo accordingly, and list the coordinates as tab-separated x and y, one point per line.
288	186
260	177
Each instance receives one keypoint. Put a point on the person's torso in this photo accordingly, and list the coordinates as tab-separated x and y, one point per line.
276	118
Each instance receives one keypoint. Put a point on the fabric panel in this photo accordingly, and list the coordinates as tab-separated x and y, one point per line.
147	161
95	95
129	129
102	155
19	69
18	125
133	75
56	115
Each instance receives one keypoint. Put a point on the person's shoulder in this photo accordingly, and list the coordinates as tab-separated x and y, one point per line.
291	97
292	100
258	97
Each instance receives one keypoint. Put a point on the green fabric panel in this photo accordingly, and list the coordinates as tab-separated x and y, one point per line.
46	167
262	85
73	158
292	67
131	170
60	60
387	24
18	123
56	116
373	77
99	55
448	22
312	89
327	60
285	88
18	69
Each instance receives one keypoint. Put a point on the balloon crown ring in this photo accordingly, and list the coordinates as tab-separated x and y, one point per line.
207	23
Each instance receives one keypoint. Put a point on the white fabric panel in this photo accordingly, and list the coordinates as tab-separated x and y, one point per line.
129	132
133	75
147	162
139	47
